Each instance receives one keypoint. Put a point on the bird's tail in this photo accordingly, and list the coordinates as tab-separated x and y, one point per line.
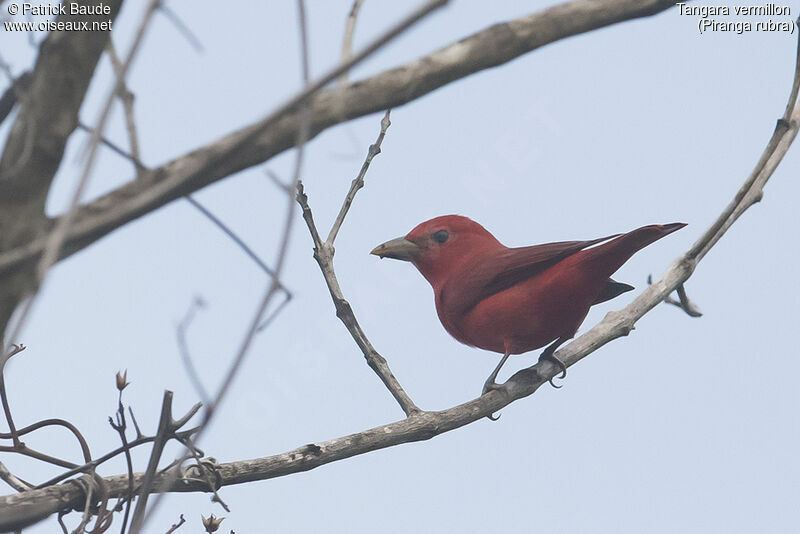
605	259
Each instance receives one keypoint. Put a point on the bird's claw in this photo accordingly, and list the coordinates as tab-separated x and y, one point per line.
491	385
561	366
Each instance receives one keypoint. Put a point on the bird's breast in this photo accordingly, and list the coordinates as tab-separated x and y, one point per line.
519	319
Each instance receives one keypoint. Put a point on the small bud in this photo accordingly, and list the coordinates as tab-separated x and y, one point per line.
122	380
211	523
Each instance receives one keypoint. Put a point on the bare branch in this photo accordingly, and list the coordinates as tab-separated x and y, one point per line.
207	468
55	239
114	147
176	526
121	426
347	40
278	309
15	349
126	97
234	237
275	285
166	428
358	183
182	28
34	148
183	348
12	480
57	86
12	95
262	140
323	253
751	191
687	305
683	301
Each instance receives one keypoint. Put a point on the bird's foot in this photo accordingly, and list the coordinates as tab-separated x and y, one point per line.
551	358
491	385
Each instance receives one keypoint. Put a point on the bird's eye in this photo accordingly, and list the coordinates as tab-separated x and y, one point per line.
441	236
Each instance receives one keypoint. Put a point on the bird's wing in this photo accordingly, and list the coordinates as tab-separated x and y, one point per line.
518	264
507	269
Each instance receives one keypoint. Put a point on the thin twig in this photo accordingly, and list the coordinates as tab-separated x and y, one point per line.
121	426
234	237
12	480
232	151
206	467
114	147
182	28
176	526
183	348
323	253
165	429
687	305
87	456
126	97
88	486
15	349
750	192
75	469
347	40
682	302
275	179
358	182
91	483
13	93
139	434
278	309
31	453
275	284
787	113
61	515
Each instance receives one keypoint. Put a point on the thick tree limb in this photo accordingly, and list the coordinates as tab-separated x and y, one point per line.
49	111
48	114
256	143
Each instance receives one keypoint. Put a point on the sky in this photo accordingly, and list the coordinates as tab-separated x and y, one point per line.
686	425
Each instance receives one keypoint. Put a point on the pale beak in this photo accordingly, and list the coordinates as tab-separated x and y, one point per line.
398	249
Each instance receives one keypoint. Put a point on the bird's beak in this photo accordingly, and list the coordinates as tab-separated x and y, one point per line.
398	249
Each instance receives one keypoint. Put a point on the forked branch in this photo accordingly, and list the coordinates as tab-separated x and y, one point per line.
323	253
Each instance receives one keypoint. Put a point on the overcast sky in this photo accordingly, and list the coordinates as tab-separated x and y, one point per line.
687	425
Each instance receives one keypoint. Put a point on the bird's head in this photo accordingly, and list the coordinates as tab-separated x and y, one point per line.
441	246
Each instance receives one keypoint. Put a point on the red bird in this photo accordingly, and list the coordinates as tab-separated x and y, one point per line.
513	300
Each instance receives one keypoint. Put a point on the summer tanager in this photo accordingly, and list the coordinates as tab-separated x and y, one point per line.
513	300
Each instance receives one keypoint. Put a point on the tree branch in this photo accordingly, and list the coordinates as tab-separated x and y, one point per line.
260	141
323	253
57	86
48	114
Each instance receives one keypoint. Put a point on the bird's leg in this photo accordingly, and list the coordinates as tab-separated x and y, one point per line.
490	384
548	355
